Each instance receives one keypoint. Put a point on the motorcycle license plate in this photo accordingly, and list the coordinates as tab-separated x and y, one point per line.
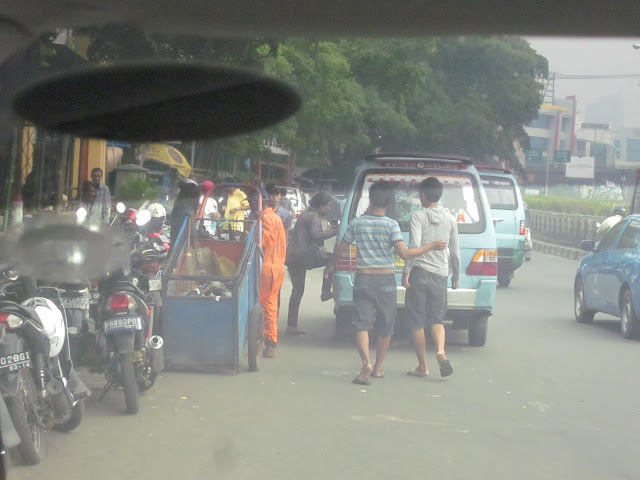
81	303
122	324
15	361
95	297
155	284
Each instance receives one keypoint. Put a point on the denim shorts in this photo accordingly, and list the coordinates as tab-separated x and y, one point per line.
375	296
426	300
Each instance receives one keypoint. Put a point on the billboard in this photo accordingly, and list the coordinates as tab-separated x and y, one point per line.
580	167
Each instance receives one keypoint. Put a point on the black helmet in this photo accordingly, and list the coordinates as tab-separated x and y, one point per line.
619	210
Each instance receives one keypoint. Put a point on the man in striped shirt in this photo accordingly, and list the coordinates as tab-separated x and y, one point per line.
374	292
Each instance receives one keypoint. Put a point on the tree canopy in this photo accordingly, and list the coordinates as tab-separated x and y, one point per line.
463	95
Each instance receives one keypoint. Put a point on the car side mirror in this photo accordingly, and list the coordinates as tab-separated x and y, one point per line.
588	245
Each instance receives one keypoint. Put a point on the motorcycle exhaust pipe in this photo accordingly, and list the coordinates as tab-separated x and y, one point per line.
156	355
61	402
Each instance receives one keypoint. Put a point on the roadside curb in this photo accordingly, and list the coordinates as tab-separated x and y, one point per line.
559	250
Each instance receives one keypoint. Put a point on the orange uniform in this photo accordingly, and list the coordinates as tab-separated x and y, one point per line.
274	246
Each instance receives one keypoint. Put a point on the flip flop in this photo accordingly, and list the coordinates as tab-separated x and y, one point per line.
377	376
445	367
413	373
357	381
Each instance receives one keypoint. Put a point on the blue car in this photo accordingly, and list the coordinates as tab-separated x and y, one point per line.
472	303
608	278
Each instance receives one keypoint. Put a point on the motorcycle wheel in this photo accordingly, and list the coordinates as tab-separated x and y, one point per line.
129	382
76	419
25	420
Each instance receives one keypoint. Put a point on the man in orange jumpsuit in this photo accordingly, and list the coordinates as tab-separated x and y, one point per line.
274	246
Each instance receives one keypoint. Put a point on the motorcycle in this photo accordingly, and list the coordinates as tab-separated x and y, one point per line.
130	354
41	389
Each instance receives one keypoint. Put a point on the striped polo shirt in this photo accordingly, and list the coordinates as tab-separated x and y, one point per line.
374	237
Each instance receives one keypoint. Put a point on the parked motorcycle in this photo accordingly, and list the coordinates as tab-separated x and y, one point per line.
130	354
37	380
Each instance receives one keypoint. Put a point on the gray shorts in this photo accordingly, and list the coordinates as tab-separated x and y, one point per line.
375	297
426	300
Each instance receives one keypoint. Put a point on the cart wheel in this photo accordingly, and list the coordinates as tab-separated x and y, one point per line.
255	337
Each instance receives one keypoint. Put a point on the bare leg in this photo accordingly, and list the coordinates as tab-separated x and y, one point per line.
381	351
420	345
362	341
437	331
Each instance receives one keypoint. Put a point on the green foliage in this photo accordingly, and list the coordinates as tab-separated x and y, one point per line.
462	95
576	206
136	188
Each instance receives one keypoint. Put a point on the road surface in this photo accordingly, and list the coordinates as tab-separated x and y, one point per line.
546	398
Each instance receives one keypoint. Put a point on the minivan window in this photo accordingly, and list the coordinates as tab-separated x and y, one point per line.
459	197
501	192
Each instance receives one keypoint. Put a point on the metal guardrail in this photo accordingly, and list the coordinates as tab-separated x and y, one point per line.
562	228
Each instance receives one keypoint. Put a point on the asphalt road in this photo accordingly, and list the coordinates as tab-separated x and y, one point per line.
546	398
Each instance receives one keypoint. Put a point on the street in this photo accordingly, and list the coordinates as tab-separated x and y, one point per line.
546	398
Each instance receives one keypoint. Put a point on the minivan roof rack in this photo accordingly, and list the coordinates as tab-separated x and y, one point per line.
494	169
420	156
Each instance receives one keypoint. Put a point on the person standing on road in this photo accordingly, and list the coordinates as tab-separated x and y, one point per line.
286	202
374	290
306	252
425	277
210	208
236	206
274	246
102	203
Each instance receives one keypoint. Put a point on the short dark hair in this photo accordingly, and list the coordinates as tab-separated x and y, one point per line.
272	189
320	199
283	191
382	194
97	169
431	188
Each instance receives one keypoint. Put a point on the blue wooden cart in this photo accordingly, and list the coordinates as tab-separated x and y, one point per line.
209	319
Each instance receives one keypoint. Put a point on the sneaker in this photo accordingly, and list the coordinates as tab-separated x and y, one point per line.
295	332
269	352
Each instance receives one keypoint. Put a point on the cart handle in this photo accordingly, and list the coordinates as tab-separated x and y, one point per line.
257	190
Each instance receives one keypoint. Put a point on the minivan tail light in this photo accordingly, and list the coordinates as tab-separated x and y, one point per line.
484	262
347	263
523	230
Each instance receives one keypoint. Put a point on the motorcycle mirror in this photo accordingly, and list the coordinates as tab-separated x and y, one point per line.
120	207
81	214
143	217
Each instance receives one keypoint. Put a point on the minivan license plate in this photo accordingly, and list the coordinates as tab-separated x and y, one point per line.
15	361
122	324
155	284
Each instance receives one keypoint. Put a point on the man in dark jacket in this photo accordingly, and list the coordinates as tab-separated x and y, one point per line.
305	252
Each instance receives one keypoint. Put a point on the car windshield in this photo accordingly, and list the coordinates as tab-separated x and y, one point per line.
501	192
459	198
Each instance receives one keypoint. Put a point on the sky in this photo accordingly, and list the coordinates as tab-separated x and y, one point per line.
595	56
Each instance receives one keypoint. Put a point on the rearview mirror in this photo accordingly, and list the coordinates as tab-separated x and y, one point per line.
156	101
588	245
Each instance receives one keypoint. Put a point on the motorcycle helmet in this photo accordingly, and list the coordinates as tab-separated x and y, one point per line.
619	210
158	217
129	215
51	319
